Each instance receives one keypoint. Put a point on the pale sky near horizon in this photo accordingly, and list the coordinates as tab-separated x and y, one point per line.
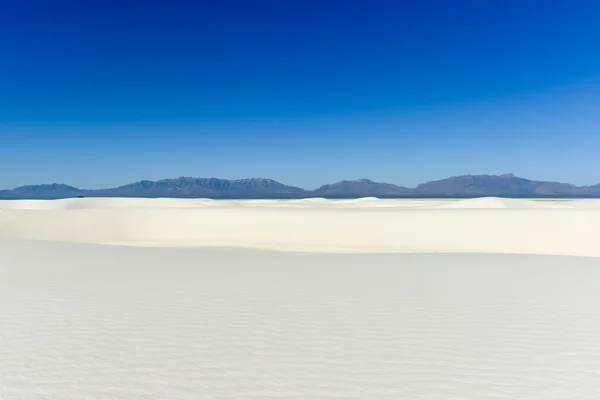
102	93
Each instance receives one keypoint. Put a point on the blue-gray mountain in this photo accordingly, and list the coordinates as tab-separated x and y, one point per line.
360	188
506	185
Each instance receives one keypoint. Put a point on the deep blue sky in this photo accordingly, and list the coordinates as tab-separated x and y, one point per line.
102	93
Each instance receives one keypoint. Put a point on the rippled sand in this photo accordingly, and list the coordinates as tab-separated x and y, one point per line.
90	321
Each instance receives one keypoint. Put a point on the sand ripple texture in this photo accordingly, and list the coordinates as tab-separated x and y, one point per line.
80	321
368	225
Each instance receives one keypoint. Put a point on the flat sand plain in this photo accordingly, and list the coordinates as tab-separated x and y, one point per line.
191	306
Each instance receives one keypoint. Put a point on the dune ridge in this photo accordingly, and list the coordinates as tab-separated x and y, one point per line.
367	225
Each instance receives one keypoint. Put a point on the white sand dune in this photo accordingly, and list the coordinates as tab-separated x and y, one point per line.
81	321
488	225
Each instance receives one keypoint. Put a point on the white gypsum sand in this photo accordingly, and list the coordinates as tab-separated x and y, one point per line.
489	225
86	321
106	322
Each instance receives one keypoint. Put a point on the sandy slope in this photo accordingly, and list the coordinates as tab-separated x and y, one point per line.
490	225
80	321
84	321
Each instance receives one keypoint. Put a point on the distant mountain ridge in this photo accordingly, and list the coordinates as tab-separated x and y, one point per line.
201	187
498	185
506	185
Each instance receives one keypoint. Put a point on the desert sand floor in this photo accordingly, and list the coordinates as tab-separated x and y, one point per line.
193	315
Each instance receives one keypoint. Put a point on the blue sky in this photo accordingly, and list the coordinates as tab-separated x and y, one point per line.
102	93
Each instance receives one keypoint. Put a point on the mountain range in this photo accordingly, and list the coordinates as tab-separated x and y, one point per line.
506	185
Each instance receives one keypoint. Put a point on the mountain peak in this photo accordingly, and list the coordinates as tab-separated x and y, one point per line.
47	186
505	185
361	188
